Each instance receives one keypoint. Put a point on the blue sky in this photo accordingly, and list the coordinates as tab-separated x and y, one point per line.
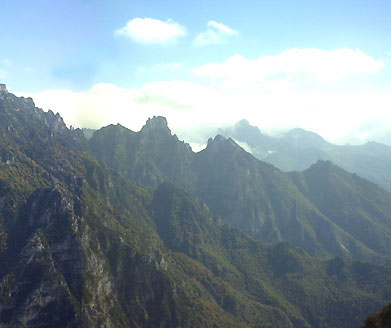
320	65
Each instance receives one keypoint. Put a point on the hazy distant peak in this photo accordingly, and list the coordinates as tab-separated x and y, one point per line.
299	132
242	123
304	138
374	145
245	126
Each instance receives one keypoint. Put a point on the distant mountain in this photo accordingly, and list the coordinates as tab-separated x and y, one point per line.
298	149
325	210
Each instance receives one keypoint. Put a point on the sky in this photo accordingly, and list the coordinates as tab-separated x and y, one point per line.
324	66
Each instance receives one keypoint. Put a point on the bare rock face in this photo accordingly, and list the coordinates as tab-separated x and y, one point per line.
43	281
3	87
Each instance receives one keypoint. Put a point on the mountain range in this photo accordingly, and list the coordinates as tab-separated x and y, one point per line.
298	149
135	230
324	209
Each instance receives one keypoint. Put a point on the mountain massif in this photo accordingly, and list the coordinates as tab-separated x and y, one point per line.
135	230
324	209
298	149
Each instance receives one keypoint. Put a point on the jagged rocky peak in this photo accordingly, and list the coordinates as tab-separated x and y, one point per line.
221	142
3	87
156	123
244	131
55	121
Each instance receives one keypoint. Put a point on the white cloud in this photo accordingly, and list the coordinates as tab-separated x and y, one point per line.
194	111
337	111
215	34
149	30
197	147
224	29
292	65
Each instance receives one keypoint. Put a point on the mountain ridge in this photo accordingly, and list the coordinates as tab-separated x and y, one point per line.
298	149
84	246
266	202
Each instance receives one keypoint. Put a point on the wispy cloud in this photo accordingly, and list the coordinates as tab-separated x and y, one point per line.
291	65
223	29
7	62
216	33
150	31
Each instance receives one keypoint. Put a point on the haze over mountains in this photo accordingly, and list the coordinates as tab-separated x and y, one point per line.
136	230
298	149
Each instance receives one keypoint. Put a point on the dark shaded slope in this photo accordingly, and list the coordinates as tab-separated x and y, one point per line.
276	283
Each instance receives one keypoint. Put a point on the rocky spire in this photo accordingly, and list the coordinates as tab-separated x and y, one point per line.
3	87
156	123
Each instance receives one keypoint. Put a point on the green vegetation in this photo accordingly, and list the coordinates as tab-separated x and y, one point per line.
83	246
324	210
381	319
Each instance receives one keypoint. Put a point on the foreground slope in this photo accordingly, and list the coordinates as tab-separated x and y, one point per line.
325	210
380	319
81	246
